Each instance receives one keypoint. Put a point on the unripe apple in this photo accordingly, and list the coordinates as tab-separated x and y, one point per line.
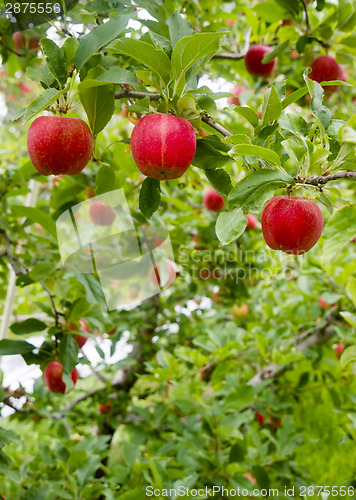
240	312
100	214
325	69
59	145
80	339
163	146
169	274
291	224
237	91
338	348
251	221
53	377
253	61
212	200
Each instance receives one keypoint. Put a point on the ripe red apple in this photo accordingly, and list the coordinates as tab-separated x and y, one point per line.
100	214
251	221
212	200
156	275
253	61
237	91
21	41
338	348
324	304
240	312
260	418
230	22
104	409
163	146
81	340
326	69
59	145
291	224
53	377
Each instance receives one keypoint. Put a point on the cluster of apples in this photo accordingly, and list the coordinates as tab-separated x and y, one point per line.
53	373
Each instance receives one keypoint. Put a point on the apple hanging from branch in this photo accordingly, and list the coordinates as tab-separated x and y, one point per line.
53	377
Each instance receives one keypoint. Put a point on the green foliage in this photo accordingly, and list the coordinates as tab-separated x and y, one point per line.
194	378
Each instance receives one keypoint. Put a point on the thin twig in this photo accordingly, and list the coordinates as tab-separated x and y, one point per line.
229	55
307	23
127	93
323	179
209	121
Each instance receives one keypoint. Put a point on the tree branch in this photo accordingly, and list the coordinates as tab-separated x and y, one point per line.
229	55
307	23
209	121
323	179
313	336
127	93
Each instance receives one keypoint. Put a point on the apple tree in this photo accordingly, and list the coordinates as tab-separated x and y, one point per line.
232	126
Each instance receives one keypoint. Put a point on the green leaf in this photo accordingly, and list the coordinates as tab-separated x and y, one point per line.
338	232
348	356
105	180
28	326
69	48
98	37
150	197
195	50
207	157
295	96
230	225
68	352
252	150
247	113
78	309
220	180
99	105
155	59
349	317
93	290
238	452
179	27
271	107
39	72
8	347
36	215
253	191
43	101
317	109
268	57
114	75
55	60
42	270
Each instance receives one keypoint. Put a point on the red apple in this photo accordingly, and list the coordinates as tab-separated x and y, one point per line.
240	312
291	224
81	340
21	41
59	145
104	409
237	91
260	418
212	200
53	377
25	89
253	61
100	214
163	146
325	69
156	274
249	477
230	22
251	221
338	348
323	303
